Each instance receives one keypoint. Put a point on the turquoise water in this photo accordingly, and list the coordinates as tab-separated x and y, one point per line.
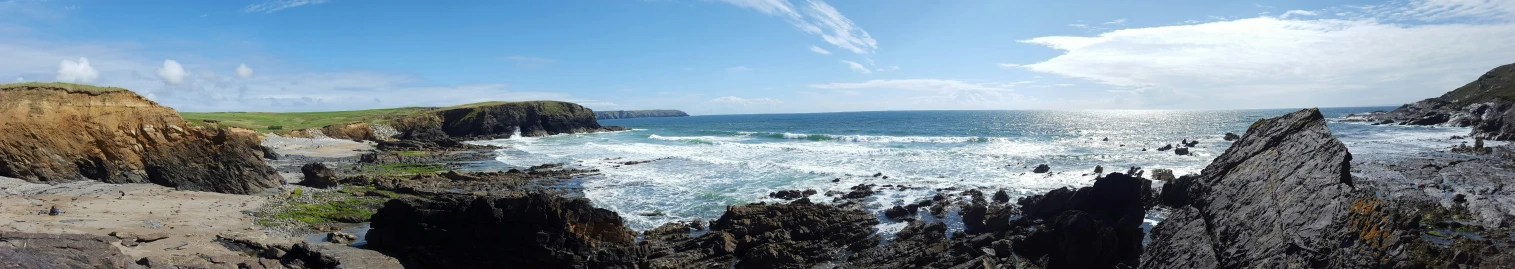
702	164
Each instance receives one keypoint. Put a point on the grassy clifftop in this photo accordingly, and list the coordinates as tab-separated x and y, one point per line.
1497	85
70	87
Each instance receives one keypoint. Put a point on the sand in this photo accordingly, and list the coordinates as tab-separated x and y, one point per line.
191	218
316	147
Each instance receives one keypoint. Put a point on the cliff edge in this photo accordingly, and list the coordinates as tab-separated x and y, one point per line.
57	132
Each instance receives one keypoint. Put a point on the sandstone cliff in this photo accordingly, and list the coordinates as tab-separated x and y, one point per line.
60	132
499	120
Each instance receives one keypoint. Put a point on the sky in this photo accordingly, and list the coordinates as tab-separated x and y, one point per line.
761	56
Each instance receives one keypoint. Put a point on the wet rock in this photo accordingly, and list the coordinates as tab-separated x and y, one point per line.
1163	175
1041	169
28	250
1165	147
1181	151
1001	196
791	194
1232	137
318	175
1099	170
896	212
776	236
341	238
532	230
859	192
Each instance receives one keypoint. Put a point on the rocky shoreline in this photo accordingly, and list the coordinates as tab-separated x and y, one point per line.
1286	194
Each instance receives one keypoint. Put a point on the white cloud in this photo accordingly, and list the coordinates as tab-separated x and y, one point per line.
1297	13
1116	22
244	72
1440	10
738	69
530	62
816	17
276	5
891	68
857	67
19	79
746	102
77	72
1278	62
1009	66
1078	25
172	72
820	50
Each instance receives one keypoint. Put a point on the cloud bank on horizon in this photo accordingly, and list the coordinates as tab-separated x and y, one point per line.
788	56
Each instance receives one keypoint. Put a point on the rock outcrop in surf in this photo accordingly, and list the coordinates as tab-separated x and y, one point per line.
495	120
63	132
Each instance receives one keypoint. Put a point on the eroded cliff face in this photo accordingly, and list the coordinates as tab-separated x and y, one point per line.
51	134
499	120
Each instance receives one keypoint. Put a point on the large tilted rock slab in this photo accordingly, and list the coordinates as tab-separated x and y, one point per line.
57	134
1278	198
532	230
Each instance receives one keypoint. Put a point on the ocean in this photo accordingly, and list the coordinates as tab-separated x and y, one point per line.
699	165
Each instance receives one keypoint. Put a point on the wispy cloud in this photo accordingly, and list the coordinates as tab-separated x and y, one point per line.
746	102
857	67
531	62
932	85
1271	60
738	69
1116	22
272	6
1009	66
1078	25
891	68
816	17
820	50
1287	14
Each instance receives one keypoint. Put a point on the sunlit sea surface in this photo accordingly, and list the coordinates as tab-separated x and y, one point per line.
702	164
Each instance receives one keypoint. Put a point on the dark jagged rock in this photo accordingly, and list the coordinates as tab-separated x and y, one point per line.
29	250
1093	227
795	235
499	120
1041	169
532	230
628	114
1232	137
896	212
1099	170
56	134
1165	147
1277	198
1001	196
1181	151
318	175
791	194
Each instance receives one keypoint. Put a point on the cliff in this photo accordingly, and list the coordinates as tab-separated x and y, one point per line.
627	114
1487	105
498	120
62	132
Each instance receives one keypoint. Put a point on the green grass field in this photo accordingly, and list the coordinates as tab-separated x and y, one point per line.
261	121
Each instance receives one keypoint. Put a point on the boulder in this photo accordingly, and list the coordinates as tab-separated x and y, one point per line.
1041	169
1181	151
1232	137
1165	147
341	238
317	175
525	230
1092	227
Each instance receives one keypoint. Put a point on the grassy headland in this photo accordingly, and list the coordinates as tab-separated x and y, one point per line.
262	121
67	86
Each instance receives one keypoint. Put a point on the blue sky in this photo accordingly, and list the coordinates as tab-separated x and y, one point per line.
761	56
